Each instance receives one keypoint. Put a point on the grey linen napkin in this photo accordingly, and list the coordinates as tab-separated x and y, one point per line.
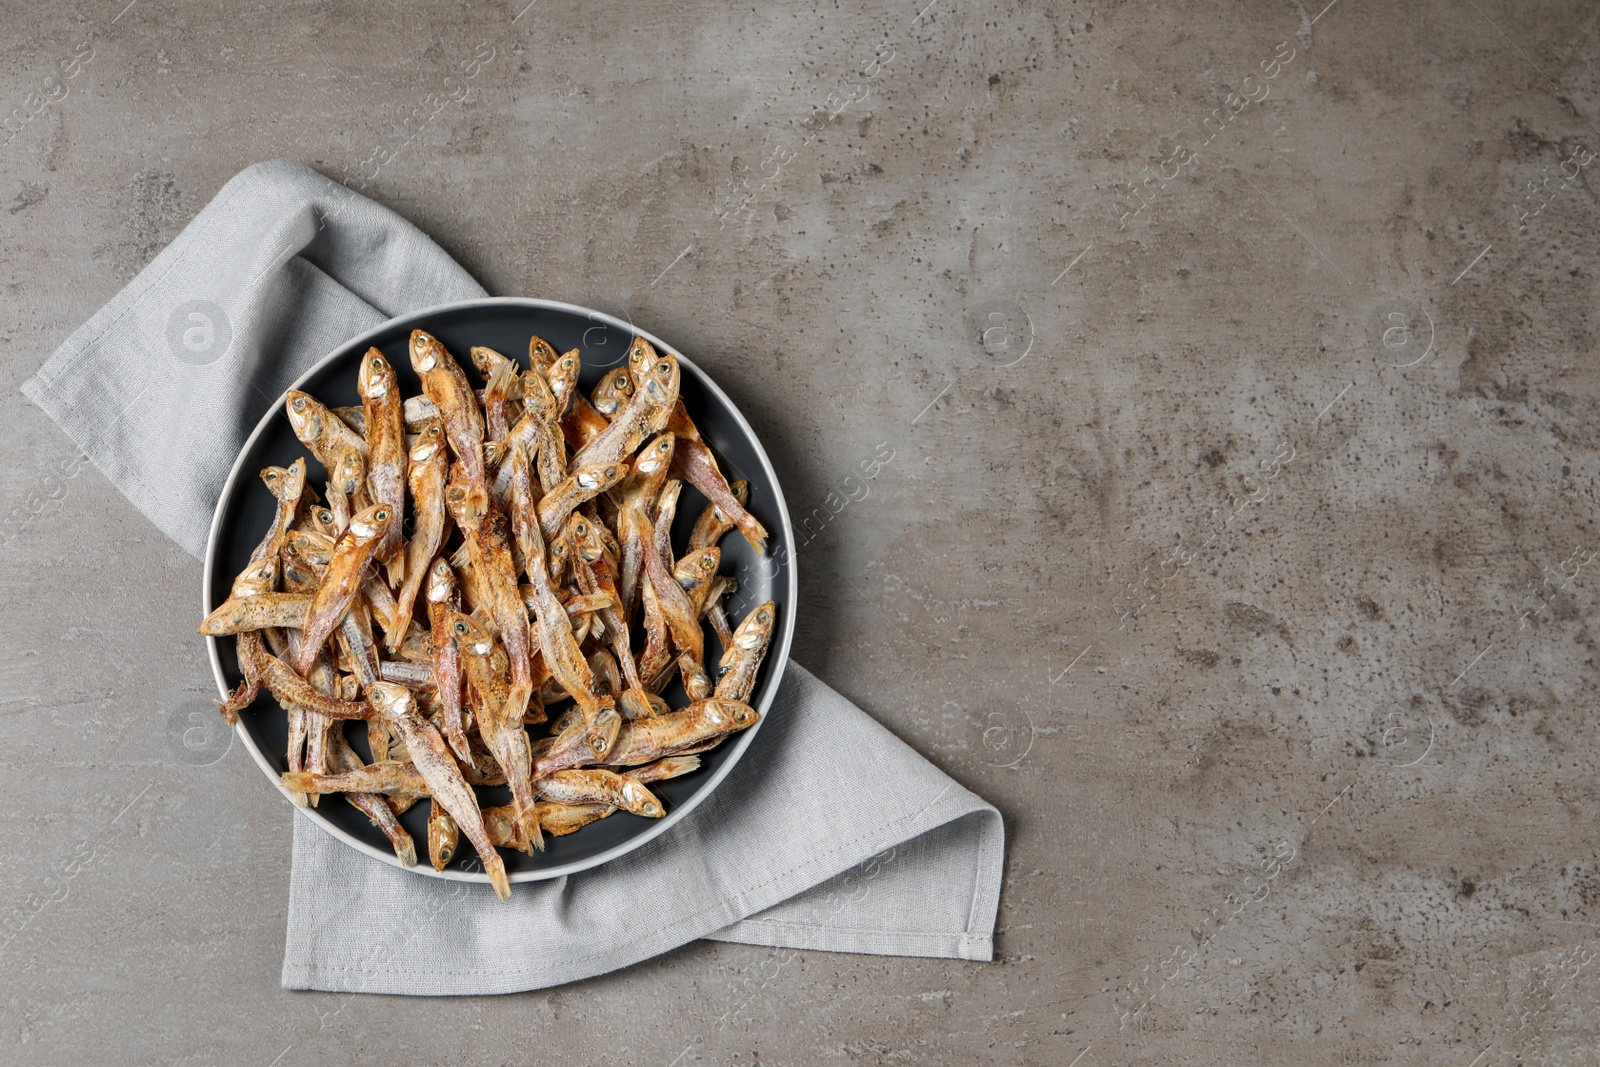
830	833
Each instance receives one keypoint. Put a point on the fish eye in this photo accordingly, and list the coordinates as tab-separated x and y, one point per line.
581	530
381	515
611	472
299	403
663	367
764	617
664	445
377	362
325	517
423	338
461	628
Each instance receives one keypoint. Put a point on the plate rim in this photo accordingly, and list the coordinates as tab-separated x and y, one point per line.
781	650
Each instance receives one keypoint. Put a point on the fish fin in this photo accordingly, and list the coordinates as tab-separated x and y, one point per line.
396	566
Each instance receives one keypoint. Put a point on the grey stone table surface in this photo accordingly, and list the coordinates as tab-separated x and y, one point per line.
1237	365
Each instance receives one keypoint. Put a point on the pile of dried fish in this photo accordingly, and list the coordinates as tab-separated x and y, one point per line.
540	549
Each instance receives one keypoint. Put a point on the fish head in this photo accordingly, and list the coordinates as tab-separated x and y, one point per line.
613	391
730	714
660	382
391	700
486	360
470	635
756	629
430	441
286	483
585	537
640	355
306	415
559	548
310	545
639	800
603	665
441	582
351	471
370	524
256	579
699	565
376	379
563	376
540	353
293	483
536	395
598	477
443	837
426	352
657	455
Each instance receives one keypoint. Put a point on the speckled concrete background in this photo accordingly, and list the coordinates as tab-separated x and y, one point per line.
1236	360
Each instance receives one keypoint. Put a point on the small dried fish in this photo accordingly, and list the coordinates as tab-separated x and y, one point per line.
439	770
429	468
445	383
499	724
443	600
386	451
742	658
697	574
595	786
639	497
694	463
501	374
645	740
287	485
583	484
562	376
682	618
389	778
257	613
341	581
322	432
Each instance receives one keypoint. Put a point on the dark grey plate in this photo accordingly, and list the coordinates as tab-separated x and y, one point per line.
505	324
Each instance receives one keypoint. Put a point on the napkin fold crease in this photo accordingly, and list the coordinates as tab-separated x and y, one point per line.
830	833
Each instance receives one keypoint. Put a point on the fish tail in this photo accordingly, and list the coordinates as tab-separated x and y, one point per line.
753	532
497	875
